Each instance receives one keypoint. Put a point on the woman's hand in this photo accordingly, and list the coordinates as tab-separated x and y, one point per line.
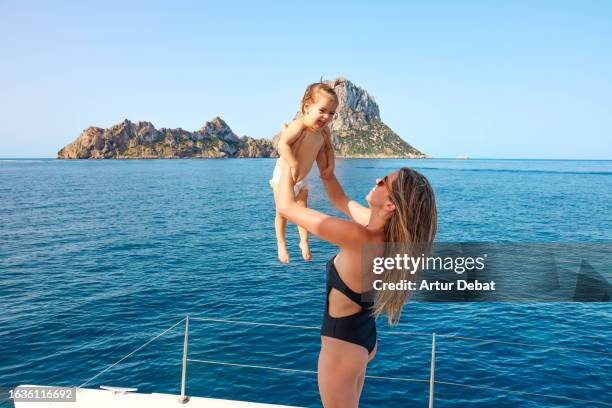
293	164
326	158
286	197
295	172
329	153
328	171
290	133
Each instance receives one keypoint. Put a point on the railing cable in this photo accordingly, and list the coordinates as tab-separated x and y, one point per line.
295	370
404	379
138	349
405	333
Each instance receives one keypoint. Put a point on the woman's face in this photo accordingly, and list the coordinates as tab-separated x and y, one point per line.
379	194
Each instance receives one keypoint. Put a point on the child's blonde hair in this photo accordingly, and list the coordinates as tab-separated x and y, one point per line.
310	96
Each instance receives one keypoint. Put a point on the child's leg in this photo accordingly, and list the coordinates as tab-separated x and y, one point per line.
302	200
280	227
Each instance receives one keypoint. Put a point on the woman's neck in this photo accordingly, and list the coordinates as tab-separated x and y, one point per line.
376	223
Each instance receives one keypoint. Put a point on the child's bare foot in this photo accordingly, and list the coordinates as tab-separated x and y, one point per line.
283	255
305	251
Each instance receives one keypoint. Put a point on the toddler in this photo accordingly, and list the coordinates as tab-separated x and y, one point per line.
301	142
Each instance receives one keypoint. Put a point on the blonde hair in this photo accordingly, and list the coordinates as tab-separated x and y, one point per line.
411	229
313	90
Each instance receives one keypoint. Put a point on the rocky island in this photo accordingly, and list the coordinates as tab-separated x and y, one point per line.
128	140
357	131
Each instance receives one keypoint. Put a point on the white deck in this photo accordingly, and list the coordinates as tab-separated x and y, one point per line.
90	398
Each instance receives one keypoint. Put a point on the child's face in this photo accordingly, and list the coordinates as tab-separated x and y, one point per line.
321	112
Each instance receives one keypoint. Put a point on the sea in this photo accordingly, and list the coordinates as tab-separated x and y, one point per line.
99	257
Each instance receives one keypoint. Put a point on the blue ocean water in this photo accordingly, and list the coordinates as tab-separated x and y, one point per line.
97	257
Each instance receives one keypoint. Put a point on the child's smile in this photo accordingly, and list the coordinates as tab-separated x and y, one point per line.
322	111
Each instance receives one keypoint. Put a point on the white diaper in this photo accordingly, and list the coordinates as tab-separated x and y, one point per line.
302	184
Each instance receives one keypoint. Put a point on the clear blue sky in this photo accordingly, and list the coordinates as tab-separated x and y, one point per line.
507	79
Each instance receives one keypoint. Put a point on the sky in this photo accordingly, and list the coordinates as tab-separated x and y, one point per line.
484	79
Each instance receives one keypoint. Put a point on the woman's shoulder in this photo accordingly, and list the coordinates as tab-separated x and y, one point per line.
351	265
363	237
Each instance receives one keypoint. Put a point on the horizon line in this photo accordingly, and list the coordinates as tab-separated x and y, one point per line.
461	158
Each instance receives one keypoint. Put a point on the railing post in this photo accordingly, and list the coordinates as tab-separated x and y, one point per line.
182	400
433	370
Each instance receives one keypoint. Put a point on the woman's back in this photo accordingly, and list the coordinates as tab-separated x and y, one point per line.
354	267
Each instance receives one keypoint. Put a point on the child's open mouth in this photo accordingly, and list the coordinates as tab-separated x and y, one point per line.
320	123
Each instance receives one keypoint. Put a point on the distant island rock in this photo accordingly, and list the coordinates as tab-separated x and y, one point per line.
128	140
357	131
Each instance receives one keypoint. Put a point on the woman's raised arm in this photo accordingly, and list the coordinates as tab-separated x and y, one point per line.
352	208
332	229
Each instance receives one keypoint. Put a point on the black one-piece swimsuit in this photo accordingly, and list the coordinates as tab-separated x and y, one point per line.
358	328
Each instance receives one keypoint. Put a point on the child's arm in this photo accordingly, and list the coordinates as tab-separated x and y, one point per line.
289	135
326	168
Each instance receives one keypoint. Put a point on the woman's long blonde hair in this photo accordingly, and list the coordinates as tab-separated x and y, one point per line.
410	230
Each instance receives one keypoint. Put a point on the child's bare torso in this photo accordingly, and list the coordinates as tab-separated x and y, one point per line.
306	149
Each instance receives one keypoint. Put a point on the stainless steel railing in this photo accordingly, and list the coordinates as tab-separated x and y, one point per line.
431	380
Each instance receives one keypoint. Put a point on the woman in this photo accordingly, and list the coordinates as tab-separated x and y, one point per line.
401	209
